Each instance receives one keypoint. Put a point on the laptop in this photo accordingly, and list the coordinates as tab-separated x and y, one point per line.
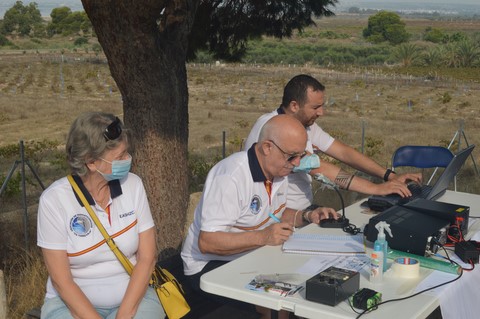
431	192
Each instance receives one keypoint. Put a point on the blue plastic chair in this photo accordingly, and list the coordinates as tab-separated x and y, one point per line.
422	157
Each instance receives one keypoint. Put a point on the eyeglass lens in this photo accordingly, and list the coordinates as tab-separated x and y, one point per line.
291	156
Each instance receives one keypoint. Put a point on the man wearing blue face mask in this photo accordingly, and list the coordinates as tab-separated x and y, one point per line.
86	280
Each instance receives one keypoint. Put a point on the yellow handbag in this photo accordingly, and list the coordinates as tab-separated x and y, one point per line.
168	289
170	293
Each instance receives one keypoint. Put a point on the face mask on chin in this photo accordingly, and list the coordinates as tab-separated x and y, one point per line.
120	169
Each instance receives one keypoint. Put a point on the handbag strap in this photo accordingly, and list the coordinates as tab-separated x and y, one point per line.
127	264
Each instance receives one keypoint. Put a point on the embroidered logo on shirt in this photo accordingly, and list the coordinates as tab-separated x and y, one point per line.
127	214
81	225
255	204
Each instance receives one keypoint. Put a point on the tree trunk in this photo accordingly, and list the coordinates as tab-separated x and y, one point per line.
145	43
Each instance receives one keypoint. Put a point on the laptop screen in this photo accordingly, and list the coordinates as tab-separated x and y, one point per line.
449	173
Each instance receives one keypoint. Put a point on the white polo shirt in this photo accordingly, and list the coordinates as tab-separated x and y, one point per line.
64	224
234	199
300	193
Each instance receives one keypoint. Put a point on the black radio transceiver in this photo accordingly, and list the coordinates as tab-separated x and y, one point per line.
332	286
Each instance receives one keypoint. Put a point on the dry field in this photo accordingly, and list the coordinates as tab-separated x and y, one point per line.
40	96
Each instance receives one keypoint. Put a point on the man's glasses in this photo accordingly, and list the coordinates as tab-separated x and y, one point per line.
113	130
291	156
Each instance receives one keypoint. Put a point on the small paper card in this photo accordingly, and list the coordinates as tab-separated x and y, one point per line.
277	288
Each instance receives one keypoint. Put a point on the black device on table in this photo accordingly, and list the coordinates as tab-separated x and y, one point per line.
413	232
331	222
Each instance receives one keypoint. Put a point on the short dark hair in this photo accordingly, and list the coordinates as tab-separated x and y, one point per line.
296	89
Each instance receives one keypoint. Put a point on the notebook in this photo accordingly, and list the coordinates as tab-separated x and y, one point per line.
325	244
431	192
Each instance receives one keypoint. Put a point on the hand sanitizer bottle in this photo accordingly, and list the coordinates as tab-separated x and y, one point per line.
376	264
381	227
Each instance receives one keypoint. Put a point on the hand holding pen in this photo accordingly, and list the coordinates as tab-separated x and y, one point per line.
277	233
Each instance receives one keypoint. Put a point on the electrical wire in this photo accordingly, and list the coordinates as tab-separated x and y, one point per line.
415	294
424	290
349	228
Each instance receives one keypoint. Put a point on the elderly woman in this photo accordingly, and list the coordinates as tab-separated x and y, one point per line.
86	280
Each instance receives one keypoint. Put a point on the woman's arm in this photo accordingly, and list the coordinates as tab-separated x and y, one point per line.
142	272
58	268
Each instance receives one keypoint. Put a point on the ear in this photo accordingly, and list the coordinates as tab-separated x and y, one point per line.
265	147
293	106
91	166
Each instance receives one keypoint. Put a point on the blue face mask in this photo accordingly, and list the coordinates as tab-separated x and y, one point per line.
120	169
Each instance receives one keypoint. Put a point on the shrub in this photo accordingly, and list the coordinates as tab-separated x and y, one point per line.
198	167
80	41
204	57
433	35
4	41
10	151
445	98
373	146
13	187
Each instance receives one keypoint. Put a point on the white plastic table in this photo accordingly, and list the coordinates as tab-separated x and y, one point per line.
230	279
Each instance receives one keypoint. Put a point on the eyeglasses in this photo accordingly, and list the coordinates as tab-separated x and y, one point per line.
113	130
291	156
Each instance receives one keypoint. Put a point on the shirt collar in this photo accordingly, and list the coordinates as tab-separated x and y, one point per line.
255	169
115	190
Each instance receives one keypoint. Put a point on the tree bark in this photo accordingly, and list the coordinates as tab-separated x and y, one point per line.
145	43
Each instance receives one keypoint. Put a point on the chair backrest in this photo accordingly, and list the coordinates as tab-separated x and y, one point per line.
421	156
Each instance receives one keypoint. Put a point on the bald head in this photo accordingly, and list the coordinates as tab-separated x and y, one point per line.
281	144
283	127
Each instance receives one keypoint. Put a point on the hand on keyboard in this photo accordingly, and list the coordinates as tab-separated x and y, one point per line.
415	188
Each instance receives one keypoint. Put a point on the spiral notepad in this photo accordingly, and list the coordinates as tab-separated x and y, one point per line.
325	244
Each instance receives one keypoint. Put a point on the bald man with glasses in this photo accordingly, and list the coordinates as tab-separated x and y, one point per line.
244	202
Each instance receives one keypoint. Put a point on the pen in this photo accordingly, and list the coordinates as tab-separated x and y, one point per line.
275	218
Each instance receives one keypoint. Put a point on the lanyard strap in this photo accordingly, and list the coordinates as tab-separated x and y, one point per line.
127	264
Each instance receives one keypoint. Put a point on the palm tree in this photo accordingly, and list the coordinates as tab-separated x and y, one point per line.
468	53
433	56
450	55
407	53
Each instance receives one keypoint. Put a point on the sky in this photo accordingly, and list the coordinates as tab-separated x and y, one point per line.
46	6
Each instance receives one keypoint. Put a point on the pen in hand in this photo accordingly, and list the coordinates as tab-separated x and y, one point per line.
275	218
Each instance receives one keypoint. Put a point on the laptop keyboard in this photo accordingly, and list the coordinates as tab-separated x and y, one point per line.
418	191
380	203
415	188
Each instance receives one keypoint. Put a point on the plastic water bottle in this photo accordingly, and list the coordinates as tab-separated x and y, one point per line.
376	264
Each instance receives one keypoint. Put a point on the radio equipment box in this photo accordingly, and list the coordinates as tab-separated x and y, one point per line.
332	286
413	232
457	215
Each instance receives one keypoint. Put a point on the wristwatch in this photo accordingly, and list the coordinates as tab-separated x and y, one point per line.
387	174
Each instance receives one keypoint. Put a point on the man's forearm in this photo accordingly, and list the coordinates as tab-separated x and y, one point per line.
225	243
